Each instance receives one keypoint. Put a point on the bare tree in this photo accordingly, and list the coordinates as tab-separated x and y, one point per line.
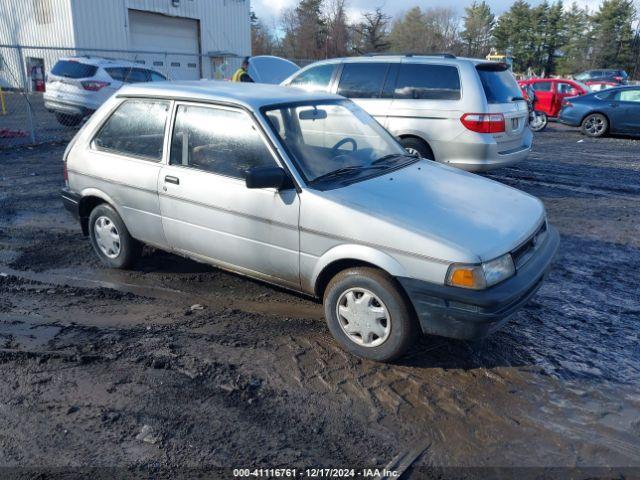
372	33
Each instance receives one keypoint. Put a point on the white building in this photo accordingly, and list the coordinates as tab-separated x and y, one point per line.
184	39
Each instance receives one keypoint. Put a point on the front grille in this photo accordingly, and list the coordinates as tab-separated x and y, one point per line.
524	252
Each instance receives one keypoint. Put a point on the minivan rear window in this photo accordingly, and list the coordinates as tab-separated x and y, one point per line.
73	69
498	83
427	82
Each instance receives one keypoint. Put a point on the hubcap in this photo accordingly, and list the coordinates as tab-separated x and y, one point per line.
107	237
536	121
363	317
413	151
594	125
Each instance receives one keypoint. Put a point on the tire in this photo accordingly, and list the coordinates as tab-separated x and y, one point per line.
110	238
68	120
538	121
417	146
395	334
595	125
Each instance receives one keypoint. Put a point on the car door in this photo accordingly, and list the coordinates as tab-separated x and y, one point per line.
625	111
207	210
544	97
563	90
124	161
363	82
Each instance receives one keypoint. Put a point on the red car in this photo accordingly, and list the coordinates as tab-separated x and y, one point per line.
551	91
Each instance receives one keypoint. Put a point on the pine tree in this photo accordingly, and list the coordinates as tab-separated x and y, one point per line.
613	33
478	26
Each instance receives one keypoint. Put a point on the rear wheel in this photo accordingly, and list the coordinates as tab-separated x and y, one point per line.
538	121
368	315
111	239
418	147
68	120
595	125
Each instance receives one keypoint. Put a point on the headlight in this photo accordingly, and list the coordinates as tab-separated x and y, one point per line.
479	277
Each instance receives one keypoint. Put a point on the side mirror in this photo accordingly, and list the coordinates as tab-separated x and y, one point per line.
268	177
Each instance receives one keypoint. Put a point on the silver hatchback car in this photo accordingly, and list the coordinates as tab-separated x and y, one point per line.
309	192
464	112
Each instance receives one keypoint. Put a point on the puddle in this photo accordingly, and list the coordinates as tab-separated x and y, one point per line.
26	333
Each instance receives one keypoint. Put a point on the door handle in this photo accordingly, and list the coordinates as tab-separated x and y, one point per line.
615	104
170	179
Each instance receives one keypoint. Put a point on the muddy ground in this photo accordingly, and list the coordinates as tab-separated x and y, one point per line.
116	369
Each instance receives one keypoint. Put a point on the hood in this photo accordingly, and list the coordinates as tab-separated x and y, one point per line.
270	69
434	210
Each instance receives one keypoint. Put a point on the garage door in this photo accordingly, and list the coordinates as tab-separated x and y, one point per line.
160	33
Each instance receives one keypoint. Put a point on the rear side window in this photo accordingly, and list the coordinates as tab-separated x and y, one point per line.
427	82
362	80
134	74
499	85
136	128
314	79
73	69
217	140
631	95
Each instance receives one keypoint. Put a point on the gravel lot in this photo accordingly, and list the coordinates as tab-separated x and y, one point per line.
105	368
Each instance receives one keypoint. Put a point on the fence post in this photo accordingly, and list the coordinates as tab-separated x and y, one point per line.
25	88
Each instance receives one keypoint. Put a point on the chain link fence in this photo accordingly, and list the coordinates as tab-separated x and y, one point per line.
44	97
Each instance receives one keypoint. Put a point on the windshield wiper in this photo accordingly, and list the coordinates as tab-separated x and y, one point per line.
345	170
518	99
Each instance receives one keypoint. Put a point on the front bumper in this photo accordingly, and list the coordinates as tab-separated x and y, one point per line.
470	314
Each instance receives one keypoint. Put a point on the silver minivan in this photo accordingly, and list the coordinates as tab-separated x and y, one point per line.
467	113
309	192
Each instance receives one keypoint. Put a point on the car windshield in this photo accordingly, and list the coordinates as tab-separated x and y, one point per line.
335	140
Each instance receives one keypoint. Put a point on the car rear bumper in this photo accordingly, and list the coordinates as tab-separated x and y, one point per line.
470	314
71	202
67	108
482	157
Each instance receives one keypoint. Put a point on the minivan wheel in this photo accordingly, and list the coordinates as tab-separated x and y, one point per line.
68	120
595	125
368	315
418	147
111	239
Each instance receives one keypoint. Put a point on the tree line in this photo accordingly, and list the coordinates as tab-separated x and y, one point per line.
551	38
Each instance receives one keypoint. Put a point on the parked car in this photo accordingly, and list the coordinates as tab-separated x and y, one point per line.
616	110
616	76
307	191
462	112
598	85
77	86
550	92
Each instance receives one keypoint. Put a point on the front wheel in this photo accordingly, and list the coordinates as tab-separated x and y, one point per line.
538	121
111	239
595	125
368	315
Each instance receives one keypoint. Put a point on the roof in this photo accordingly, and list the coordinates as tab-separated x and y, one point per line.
251	95
394	57
102	61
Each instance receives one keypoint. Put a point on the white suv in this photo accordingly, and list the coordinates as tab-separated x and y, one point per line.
77	86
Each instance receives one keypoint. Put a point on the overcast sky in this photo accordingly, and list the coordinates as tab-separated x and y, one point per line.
268	10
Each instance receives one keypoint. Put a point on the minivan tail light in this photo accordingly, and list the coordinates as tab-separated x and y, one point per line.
94	86
484	122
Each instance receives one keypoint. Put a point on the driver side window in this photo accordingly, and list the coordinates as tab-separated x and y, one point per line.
217	140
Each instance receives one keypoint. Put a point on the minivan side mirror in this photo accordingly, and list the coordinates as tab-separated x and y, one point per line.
268	177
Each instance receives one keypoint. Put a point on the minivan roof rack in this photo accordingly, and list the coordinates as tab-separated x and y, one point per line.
389	54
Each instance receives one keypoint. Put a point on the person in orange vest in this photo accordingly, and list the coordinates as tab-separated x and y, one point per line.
241	74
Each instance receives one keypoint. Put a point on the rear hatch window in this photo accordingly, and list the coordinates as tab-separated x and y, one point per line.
498	83
72	69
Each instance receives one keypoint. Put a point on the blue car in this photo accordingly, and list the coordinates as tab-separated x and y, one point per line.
616	110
